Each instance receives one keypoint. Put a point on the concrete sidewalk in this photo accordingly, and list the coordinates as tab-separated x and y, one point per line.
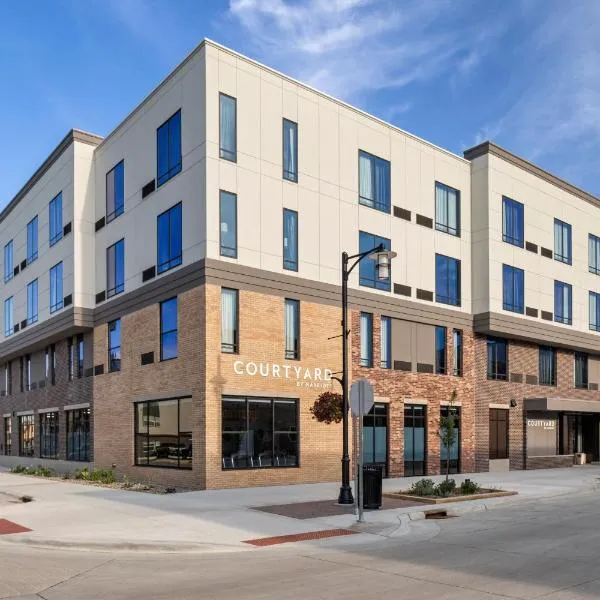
67	514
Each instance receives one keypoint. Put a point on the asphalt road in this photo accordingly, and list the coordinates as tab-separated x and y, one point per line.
548	550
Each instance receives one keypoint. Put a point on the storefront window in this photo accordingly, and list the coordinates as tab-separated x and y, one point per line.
7	436
26	435
259	433
454	447
163	433
78	434
49	435
414	439
375	437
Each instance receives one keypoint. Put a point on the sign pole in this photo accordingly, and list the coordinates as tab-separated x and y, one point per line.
360	455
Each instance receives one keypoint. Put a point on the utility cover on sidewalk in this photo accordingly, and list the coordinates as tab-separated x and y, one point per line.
7	527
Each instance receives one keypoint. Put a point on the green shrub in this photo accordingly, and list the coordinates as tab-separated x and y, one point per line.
468	487
18	469
423	487
445	488
38	471
98	475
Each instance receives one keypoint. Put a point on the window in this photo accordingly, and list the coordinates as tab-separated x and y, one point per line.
56	287
229	321
457	357
290	239
374	181
440	350
498	433
51	364
292	329
385	360
80	355
8	317
512	222
259	433
447	209
32	302
168	329
594	254
70	359
115	269
227	127
454	463
7	436
375	436
367	267
114	345
8	262
26	435
163	433
290	150
594	311
366	339
513	289
21	374
497	358
27	372
8	378
49	435
414	439
563	303
228	217
78	434
169	239
547	365
581	370
32	240
168	149
447	280
115	192
562	242
56	226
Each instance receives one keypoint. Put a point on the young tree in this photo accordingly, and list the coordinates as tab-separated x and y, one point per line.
448	431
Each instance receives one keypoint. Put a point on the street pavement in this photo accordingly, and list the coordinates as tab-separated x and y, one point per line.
548	549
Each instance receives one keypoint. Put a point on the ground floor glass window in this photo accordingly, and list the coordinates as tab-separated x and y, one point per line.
414	439
78	434
7	436
375	436
163	433
259	432
49	435
26	435
455	447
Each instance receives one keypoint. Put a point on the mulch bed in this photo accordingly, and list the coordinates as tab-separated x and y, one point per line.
484	494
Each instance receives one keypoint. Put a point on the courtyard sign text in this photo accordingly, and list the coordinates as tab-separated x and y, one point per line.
304	377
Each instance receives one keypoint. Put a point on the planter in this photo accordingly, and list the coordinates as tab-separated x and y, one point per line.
459	498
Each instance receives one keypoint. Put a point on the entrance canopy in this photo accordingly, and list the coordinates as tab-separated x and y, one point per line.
561	405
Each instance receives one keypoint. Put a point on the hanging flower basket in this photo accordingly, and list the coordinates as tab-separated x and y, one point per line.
328	408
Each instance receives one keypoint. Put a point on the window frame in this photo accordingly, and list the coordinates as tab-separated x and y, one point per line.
374	203
51	421
568	319
564	227
228	251
7	436
10	250
289	175
594	249
33	236
292	354
224	151
520	207
173	261
176	168
56	273
26	421
447	261
288	263
366	318
80	355
118	210
385	340
515	306
365	281
83	422
441	353
553	378
493	374
457	352
119	287
583	385
10	330
164	333
234	348
113	366
596	296
33	318
501	452
445	228
58	235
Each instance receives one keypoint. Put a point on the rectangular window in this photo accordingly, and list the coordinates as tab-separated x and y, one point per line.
440	350
374	181
385	361
115	192
367	268
452	453
228	218
562	242
415	439
78	434
229	321
594	311
169	239
497	358
594	254
49	435
547	365
32	240
163	433
498	433
115	269
513	289
32	302
375	437
563	303
447	280
70	359
8	378
7	436
259	433
51	364
114	345
80	355
366	339
447	209
512	222
26	435
8	262
457	359
290	150
28	372
56	287
581	370
8	317
290	239
292	329
227	127
168	149
168	329
56	219
21	374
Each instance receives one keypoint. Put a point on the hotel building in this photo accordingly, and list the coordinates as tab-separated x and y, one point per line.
171	293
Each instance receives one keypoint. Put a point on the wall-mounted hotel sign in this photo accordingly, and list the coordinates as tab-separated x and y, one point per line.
546	424
302	376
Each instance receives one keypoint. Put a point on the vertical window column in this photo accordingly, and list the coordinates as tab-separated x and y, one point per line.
227	127
292	329
55	220
169	229
115	269
385	359
290	150
228	219
56	287
168	329
290	239
229	321
366	339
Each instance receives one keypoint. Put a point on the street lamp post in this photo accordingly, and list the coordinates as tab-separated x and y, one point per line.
383	258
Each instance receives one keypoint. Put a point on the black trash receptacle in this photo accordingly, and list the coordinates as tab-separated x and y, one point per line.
372	486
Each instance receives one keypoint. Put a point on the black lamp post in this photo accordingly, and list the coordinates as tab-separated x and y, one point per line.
383	258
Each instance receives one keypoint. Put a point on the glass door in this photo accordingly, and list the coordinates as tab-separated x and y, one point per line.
414	439
375	437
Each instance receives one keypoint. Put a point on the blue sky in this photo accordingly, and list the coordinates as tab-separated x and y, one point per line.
524	73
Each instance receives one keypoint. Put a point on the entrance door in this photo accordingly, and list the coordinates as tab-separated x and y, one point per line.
375	437
414	439
589	430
